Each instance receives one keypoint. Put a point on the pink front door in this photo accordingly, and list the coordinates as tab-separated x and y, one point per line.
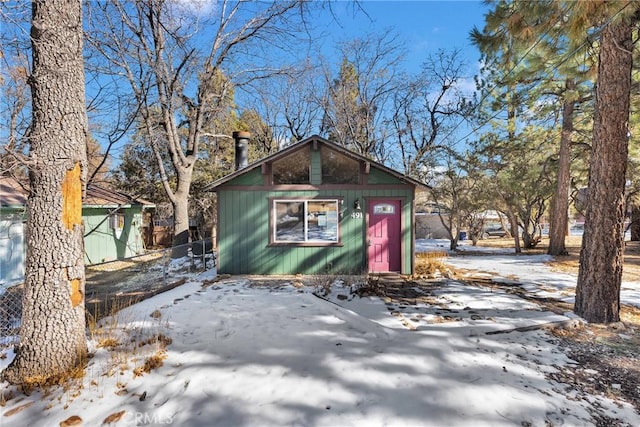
384	235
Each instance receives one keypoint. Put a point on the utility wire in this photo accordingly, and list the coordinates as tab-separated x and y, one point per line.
565	58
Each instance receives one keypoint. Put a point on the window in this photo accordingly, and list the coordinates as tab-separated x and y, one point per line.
384	209
116	221
338	168
305	221
293	169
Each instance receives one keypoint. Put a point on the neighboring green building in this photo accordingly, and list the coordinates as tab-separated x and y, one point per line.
112	225
314	208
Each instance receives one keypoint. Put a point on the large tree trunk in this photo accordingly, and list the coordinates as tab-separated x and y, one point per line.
601	258
560	209
180	203
52	334
181	225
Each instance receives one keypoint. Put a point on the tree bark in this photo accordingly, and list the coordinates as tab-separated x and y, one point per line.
635	223
560	208
513	227
601	257
180	202
52	334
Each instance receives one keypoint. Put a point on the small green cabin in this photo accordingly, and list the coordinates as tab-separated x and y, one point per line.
113	223
314	208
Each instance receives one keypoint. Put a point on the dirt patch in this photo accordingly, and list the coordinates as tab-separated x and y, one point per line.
113	286
607	364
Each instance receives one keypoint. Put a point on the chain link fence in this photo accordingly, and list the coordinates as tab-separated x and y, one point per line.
114	285
10	314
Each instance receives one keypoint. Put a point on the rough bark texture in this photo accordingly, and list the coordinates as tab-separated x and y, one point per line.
635	223
52	334
559	211
180	203
600	274
513	227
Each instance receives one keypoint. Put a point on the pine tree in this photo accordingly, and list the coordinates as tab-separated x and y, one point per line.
557	71
506	89
601	257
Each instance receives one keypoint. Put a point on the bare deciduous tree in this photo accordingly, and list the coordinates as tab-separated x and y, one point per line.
458	187
290	104
14	91
427	110
357	99
170	56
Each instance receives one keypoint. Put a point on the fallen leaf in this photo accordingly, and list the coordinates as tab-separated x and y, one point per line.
114	418
14	411
73	420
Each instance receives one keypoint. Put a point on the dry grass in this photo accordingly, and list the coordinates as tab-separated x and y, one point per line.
142	346
160	339
70	381
154	361
570	263
108	343
430	264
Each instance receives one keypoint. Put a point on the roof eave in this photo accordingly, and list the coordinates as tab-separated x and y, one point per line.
88	206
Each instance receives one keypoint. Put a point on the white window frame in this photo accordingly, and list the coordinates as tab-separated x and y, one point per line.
307	241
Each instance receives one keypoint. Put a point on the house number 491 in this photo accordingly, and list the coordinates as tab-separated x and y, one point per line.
357	215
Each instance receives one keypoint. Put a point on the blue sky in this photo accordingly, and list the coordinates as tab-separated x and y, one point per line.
426	26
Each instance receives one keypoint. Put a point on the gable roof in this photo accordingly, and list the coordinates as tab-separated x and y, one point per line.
312	139
98	196
14	193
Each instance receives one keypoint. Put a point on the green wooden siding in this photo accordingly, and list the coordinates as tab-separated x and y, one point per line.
243	233
377	177
102	243
252	177
244	203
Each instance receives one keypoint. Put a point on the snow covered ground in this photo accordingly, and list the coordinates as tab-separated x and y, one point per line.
247	355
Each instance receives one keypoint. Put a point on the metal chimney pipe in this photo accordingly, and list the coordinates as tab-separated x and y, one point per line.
242	148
